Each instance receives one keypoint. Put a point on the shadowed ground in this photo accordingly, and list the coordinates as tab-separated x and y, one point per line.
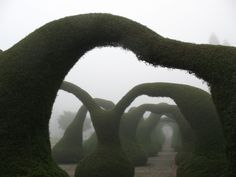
162	165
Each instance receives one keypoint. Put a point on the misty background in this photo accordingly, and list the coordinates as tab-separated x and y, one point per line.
110	72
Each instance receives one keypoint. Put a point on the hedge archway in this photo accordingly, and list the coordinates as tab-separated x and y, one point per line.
204	121
197	107
146	128
33	69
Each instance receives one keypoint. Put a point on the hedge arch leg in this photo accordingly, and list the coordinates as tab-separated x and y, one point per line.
108	158
227	113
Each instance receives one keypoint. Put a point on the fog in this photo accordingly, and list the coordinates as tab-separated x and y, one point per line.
167	131
110	72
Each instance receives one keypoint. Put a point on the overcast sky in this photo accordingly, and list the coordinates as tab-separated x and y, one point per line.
110	72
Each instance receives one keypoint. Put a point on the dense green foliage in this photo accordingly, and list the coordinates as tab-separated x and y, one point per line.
190	167
70	148
33	69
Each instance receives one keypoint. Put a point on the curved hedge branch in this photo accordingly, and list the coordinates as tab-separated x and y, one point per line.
131	119
70	147
81	94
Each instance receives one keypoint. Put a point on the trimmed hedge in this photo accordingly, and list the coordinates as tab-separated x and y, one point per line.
33	69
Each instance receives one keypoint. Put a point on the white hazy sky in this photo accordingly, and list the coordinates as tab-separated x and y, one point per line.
110	72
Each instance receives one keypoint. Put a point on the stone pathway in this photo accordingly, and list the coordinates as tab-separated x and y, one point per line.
161	166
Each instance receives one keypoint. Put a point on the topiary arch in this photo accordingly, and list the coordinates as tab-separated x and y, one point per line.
33	69
146	128
197	107
128	128
204	122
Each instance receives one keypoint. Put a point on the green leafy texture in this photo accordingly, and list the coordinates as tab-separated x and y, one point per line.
70	148
33	70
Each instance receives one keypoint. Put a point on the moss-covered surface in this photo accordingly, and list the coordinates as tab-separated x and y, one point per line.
70	147
33	69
